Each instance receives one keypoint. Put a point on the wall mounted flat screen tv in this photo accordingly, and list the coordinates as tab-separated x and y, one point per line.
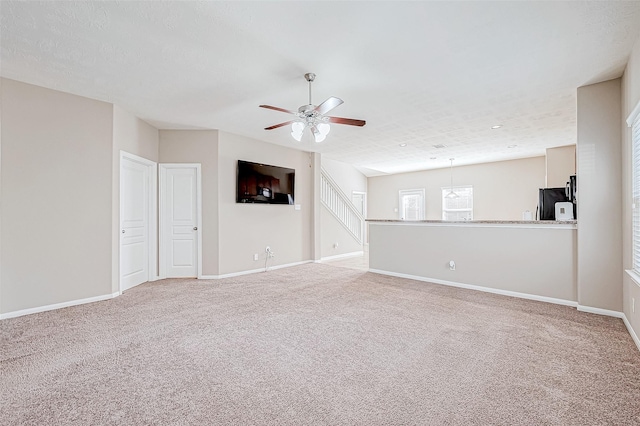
261	183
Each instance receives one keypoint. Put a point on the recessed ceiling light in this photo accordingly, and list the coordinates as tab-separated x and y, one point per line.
432	158
403	145
439	146
497	126
512	146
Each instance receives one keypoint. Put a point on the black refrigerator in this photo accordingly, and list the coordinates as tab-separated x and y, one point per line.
547	202
572	194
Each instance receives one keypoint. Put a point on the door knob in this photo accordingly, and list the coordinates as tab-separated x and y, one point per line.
123	231
195	228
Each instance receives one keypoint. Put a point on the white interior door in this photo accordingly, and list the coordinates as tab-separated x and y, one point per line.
412	204
135	185
359	202
180	220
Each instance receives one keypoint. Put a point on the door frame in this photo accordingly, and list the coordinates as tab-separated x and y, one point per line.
365	239
152	210
162	171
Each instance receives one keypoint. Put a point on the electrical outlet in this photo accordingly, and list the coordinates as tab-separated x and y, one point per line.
452	265
255	256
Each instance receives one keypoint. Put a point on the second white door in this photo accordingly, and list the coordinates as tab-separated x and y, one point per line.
179	210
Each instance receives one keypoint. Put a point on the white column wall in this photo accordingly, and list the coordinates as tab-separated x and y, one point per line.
599	196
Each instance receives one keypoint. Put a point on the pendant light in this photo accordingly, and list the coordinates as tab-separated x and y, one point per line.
451	194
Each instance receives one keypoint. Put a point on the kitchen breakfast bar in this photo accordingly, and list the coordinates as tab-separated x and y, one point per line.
531	259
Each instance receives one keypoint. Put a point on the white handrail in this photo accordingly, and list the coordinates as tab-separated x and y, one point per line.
341	207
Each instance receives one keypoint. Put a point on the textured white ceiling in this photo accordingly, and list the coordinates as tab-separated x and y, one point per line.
420	73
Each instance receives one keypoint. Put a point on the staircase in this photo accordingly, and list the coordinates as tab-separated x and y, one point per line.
341	207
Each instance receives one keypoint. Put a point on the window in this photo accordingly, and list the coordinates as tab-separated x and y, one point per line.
634	123
459	208
411	204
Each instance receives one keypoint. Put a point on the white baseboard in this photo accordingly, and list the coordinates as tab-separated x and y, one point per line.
252	271
38	309
340	256
599	311
46	308
480	288
631	331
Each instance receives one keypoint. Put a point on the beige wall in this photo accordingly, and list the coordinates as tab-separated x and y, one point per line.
134	136
560	163
316	207
630	98
539	261
246	229
332	233
501	190
56	243
599	196
199	146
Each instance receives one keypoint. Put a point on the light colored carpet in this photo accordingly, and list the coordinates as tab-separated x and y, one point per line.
316	344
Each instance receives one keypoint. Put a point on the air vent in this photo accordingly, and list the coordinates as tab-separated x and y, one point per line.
439	146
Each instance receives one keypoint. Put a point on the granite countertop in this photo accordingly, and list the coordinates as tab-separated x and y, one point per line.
488	222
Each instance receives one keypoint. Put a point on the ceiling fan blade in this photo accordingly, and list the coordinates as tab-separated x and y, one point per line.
277	109
348	121
275	126
328	105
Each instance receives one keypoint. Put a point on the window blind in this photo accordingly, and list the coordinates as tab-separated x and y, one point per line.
460	208
635	147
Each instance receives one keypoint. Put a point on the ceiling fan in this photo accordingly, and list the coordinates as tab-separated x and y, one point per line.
313	117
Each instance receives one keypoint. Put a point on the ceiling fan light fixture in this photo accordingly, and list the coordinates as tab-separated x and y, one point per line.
297	128
313	117
317	134
324	128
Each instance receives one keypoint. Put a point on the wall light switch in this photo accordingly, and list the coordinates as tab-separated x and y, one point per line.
298	207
